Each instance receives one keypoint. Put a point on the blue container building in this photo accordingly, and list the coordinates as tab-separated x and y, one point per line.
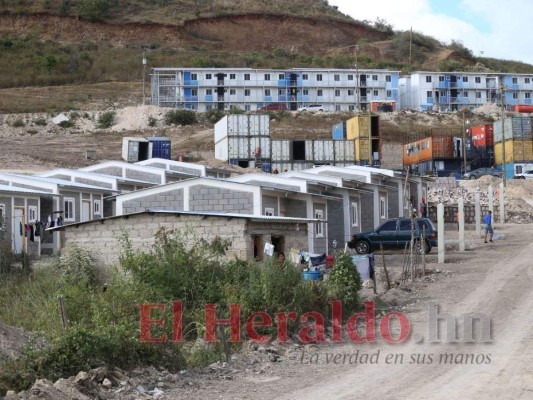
161	147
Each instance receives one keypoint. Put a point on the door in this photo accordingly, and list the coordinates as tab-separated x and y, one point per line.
85	210
18	226
404	232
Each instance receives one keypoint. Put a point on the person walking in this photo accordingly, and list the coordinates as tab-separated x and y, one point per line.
424	208
487	220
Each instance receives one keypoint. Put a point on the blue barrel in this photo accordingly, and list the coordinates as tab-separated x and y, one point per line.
266	167
312	275
161	147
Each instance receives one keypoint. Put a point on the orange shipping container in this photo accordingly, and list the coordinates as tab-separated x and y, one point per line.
428	149
482	135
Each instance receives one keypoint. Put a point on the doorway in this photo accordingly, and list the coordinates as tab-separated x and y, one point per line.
85	211
258	247
19	222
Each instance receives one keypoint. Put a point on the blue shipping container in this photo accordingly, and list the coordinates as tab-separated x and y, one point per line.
339	131
161	147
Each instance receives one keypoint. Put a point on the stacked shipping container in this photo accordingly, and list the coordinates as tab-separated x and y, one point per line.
363	130
517	137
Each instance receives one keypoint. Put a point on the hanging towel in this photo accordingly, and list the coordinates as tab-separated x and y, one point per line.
269	249
21	231
37	227
294	256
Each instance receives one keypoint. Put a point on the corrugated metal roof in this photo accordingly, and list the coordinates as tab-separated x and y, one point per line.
204	213
15	189
56	181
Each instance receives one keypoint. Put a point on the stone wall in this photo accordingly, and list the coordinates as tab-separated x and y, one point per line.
450	213
210	198
169	200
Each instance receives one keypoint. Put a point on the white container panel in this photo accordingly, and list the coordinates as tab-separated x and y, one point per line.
264	143
301	166
309	150
239	147
280	167
323	150
221	129
221	149
238	125
281	150
259	125
344	150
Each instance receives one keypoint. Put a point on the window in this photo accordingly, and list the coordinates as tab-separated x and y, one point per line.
208	107
232	92
69	209
281	76
405	225
429	94
269	211
209	92
194	92
376	93
382	207
96	207
267	92
465	94
32	213
428	78
350	77
280	92
351	108
515	81
319	77
247	92
515	95
389	226
267	77
478	95
441	78
194	77
246	77
374	77
337	93
207	76
319	92
232	76
247	107
305	77
355	214
389	93
387	78
526	80
306	92
337	107
336	77
465	78
477	79
442	93
319	226
350	92
527	95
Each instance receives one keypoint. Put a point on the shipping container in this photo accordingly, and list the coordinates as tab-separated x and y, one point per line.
242	163
161	147
281	150
259	125
482	135
344	150
523	108
428	149
362	150
338	131
364	126
343	163
259	146
383	106
323	150
515	128
221	149
238	147
136	149
515	151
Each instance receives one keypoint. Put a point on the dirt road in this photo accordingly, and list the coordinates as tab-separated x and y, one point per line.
493	279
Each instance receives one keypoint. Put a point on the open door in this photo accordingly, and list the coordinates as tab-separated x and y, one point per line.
19	237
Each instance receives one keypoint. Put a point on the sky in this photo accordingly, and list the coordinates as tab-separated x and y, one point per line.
490	28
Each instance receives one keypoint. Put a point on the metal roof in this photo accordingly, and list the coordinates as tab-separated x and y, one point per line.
251	217
15	189
60	182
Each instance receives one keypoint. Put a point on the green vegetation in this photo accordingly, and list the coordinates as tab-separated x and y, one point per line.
103	319
152	121
106	120
180	117
19	122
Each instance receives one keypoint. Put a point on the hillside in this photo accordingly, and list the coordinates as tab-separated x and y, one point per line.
86	42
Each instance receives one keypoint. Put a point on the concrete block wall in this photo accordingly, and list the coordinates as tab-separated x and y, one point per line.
295	235
207	198
367	214
115	171
270	202
144	176
170	200
293	208
93	182
450	213
336	221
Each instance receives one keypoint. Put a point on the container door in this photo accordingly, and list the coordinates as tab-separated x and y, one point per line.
166	150
133	151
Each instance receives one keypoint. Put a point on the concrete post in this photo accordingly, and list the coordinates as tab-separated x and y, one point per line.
376	207
491	200
478	215
461	210
440	229
502	205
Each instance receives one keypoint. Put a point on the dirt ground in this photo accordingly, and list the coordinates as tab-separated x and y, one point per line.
493	280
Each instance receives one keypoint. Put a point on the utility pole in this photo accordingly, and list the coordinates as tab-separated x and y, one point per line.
410	47
464	141
356	80
504	167
144	79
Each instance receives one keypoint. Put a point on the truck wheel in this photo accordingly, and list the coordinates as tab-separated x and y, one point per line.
362	247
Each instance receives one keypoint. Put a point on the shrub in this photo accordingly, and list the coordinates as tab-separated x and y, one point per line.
40	122
66	124
236	110
18	123
77	265
214	116
152	121
344	282
180	117
6	259
106	120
